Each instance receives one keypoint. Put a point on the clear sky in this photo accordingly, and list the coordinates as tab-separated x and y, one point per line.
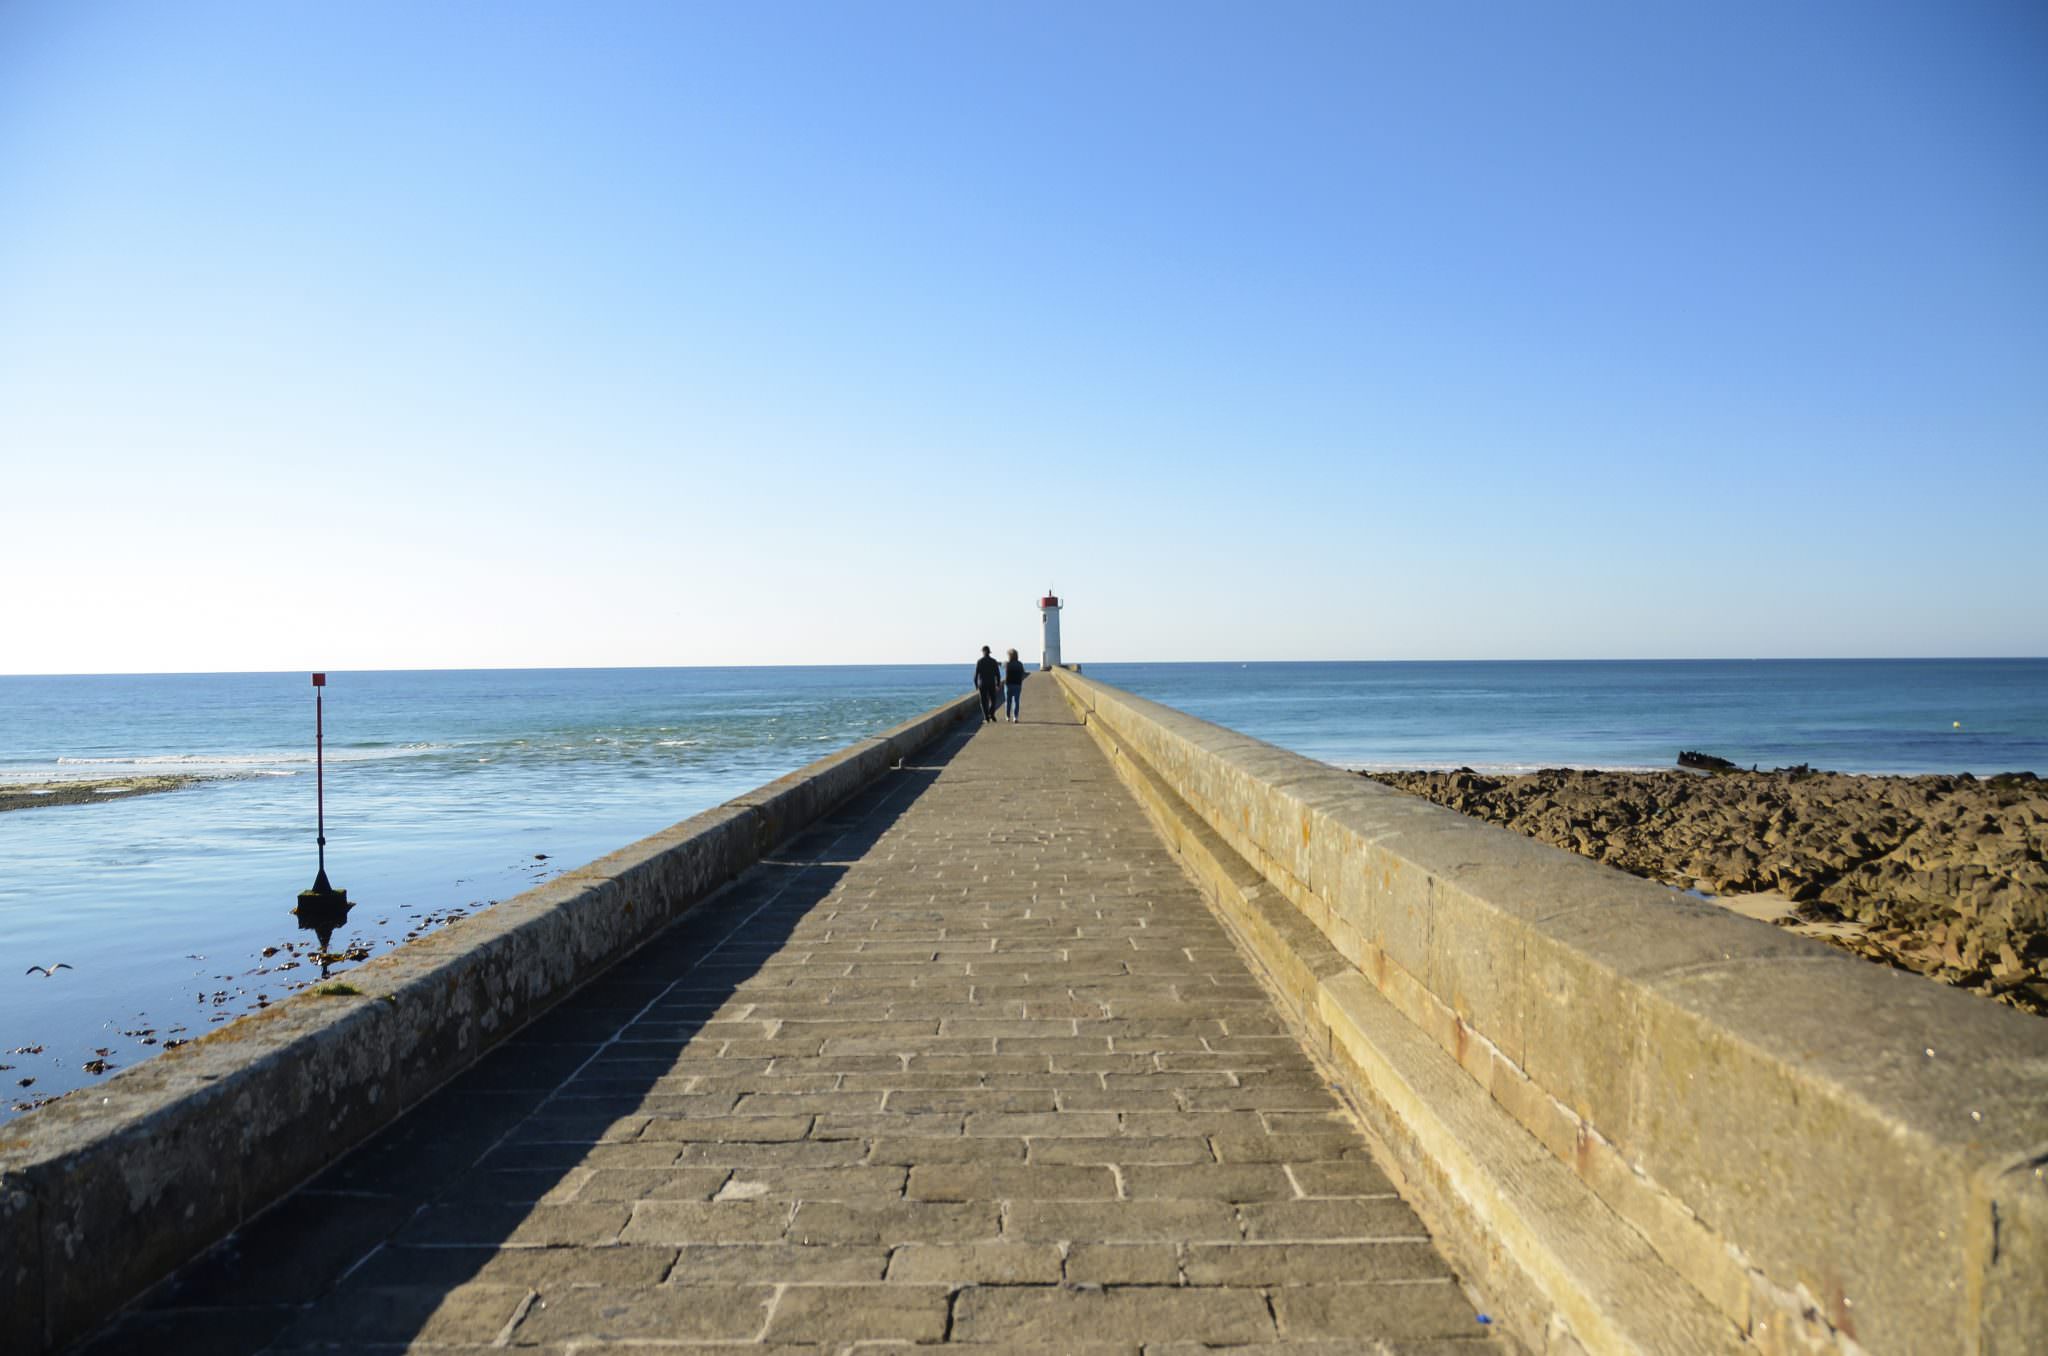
387	334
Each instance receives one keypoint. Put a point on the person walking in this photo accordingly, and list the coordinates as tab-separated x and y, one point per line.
1013	681
988	681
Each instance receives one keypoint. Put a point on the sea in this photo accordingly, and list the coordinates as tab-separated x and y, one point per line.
448	791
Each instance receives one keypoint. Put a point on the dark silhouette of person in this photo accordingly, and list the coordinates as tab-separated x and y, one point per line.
1013	683
988	681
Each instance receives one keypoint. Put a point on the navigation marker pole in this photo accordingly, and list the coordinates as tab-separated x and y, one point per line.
322	908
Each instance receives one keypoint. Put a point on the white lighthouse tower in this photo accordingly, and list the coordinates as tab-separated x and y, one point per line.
1049	611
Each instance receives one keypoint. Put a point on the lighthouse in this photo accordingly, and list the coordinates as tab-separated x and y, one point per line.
1049	611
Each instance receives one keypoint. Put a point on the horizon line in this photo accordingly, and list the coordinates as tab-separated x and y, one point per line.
950	663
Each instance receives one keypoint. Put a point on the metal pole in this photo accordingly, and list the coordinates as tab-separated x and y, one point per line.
320	773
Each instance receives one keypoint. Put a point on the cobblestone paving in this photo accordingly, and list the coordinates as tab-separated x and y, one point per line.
970	1063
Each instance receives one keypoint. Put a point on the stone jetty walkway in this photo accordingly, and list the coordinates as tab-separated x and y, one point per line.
970	1063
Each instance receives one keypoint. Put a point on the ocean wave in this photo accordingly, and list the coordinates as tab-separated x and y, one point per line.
251	760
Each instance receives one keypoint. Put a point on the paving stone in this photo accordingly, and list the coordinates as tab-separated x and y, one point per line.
658	1102
1162	1097
697	1313
1292	1148
1178	1124
408	1313
567	1126
1121	1221
955	1347
856	1313
813	1184
729	1129
651	1184
895	1222
1089	1123
1285	1221
532	1268
900	1080
872	1126
681	1222
808	1153
742	1263
1209	1182
1269	1264
977	1263
1120	1150
1301	1076
947	1149
290	1255
492	1223
1056	1316
1262	1099
1356	1177
191	1332
1481	1345
964	1100
806	1103
1123	1264
529	1185
1424	1310
1003	1181
1306	1122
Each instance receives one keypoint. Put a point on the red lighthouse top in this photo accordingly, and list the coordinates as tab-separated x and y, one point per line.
1048	601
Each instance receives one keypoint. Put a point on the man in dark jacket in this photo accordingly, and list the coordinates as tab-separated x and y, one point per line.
988	681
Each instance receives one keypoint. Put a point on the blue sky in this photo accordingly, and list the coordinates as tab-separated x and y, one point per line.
390	335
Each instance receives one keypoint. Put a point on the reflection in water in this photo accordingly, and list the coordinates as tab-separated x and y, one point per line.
321	910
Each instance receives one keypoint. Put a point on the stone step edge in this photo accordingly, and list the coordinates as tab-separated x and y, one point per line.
1567	1272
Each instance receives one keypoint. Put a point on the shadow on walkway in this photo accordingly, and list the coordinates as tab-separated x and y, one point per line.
366	1255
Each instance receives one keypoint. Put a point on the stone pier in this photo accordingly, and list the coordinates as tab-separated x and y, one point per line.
969	1062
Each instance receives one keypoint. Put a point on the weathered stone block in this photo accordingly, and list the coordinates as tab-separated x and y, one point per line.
859	1313
700	1313
976	1264
1055	1318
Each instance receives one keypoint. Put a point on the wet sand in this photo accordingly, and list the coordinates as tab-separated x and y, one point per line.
1940	875
35	795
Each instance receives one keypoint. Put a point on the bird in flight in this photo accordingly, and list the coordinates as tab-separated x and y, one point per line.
48	970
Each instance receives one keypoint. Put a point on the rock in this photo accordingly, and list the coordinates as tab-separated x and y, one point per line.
1951	868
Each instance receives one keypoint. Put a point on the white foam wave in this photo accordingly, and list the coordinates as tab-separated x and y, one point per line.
250	760
678	743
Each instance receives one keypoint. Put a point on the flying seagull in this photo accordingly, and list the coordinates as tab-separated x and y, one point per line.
48	970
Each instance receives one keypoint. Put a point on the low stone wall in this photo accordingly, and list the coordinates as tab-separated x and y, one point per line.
1597	1084
104	1192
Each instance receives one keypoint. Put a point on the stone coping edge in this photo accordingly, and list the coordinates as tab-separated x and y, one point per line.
1837	1156
108	1189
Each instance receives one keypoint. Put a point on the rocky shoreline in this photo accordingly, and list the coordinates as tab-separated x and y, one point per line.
1940	875
35	795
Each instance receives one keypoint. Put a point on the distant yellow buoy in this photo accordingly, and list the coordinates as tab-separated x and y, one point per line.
1956	724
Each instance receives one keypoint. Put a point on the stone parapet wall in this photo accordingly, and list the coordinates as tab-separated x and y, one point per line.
1831	1155
105	1191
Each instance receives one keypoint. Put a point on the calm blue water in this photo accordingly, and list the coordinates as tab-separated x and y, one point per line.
1855	715
444	788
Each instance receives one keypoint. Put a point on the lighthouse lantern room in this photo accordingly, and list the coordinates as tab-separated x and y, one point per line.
1049	612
